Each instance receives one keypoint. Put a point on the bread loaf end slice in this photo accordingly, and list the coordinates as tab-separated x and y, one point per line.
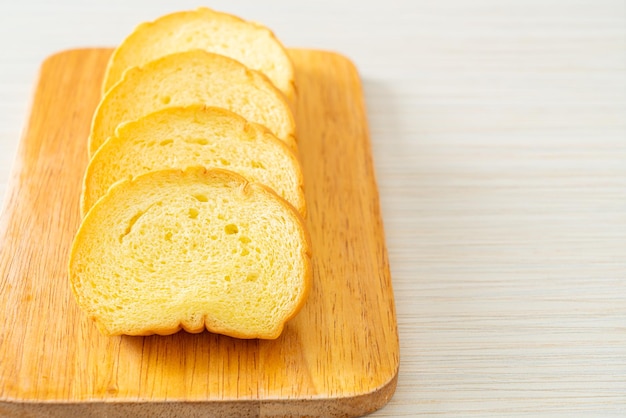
250	43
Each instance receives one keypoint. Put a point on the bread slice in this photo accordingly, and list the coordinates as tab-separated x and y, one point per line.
250	43
191	249
180	137
193	77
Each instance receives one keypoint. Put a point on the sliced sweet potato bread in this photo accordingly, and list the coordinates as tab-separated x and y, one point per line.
252	44
187	78
180	137
191	249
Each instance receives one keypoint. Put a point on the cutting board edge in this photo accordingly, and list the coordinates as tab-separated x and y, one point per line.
348	406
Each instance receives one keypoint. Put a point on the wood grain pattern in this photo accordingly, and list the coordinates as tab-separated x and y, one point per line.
338	357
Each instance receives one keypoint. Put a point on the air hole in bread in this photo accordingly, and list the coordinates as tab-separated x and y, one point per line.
201	198
252	277
168	236
166	100
231	229
224	161
227	278
245	252
244	240
199	141
166	142
131	223
213	237
257	164
193	213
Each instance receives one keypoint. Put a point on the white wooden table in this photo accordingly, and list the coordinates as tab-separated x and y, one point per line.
499	138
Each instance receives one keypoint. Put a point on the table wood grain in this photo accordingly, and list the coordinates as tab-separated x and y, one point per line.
499	140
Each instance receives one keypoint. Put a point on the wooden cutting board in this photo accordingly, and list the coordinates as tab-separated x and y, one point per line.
338	357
